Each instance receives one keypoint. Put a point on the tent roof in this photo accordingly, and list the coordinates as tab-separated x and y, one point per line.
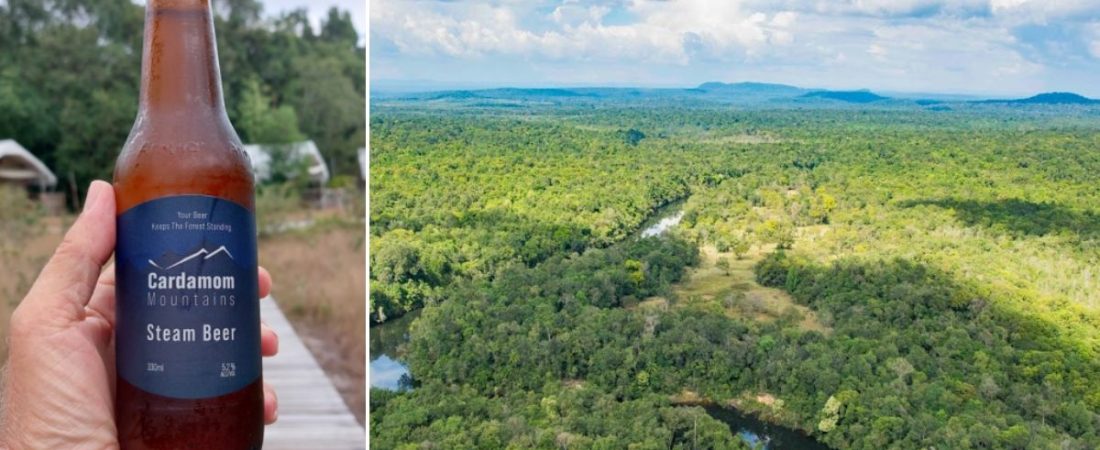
12	149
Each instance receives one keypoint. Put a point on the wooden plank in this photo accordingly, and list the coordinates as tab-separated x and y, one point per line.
311	413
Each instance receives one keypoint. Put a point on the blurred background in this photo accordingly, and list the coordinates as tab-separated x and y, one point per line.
293	77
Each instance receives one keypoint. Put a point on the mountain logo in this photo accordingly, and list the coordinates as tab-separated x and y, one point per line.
201	253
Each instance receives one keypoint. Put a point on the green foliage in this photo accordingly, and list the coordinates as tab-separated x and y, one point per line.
339	28
904	309
957	285
330	105
258	122
724	264
481	208
830	415
287	168
564	417
70	72
780	233
276	202
740	247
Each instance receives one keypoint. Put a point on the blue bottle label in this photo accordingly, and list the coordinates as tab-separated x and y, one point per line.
188	317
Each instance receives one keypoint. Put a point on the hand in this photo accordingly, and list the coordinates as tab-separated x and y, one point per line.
58	391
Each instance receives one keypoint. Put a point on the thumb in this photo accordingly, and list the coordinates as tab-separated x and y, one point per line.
66	283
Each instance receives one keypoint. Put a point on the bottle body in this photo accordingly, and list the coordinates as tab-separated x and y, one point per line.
187	321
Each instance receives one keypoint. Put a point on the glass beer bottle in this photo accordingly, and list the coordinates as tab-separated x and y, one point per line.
187	326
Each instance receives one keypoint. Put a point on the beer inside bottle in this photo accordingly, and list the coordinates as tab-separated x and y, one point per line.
187	326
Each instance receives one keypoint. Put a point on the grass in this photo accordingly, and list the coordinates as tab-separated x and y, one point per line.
733	291
24	253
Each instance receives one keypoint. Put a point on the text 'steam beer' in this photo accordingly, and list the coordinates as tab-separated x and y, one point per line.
188	337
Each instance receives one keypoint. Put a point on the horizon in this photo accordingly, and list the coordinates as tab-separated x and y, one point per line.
390	86
984	48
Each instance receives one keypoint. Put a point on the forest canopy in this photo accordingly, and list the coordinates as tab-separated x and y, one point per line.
70	72
891	277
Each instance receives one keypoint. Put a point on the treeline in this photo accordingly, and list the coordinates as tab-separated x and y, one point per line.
455	198
918	359
70	72
546	357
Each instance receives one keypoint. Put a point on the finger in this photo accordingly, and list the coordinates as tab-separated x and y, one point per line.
269	340
271	405
66	283
102	303
265	283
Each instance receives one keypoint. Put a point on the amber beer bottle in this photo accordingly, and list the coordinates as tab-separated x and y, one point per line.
187	326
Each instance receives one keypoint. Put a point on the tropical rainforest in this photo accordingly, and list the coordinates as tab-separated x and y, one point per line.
882	275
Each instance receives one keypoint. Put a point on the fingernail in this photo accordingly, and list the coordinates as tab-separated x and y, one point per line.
94	191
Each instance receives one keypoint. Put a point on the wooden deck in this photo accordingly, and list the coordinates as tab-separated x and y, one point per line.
311	413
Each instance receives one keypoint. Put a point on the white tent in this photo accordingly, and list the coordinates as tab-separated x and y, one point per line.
17	165
260	154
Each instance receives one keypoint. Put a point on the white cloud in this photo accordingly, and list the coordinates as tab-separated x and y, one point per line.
1043	10
573	14
896	44
667	32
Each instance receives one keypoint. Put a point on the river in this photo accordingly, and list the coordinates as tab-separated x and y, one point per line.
389	371
662	220
760	434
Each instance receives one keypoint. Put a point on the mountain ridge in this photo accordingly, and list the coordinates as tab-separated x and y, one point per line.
743	92
1049	98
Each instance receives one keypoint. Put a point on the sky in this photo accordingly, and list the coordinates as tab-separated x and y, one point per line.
979	47
318	9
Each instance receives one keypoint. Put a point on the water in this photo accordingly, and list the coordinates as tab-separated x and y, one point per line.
758	432
663	219
388	369
387	346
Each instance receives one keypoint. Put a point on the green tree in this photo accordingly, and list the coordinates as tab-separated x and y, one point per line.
723	264
331	111
260	123
830	414
339	28
740	247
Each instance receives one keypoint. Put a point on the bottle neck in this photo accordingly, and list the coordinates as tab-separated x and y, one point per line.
179	68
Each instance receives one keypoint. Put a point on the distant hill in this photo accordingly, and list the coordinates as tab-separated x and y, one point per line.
532	92
514	93
456	95
861	96
741	93
751	87
1050	98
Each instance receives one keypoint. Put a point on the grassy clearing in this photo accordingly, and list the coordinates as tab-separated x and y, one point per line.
734	292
